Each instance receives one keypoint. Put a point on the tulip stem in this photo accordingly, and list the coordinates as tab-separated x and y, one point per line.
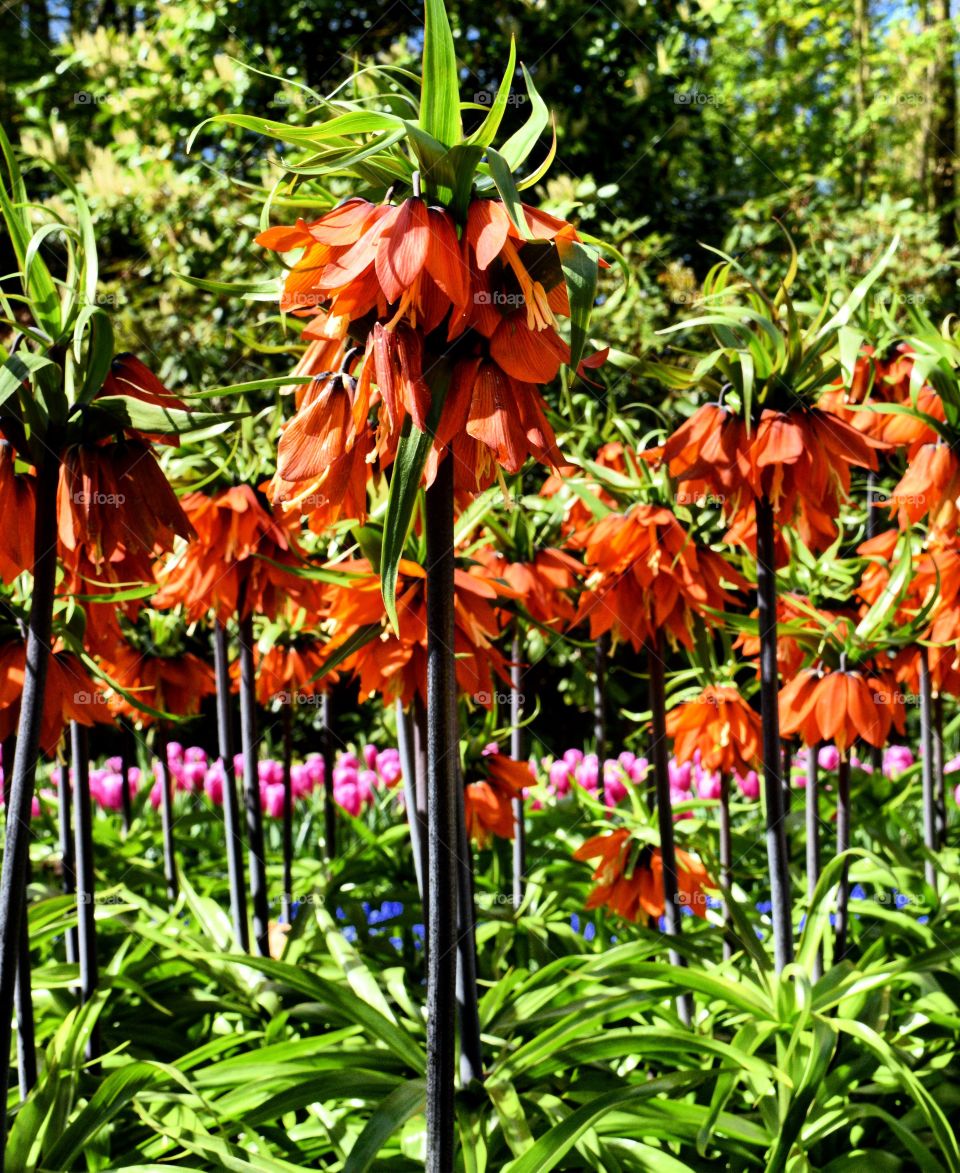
286	898
83	847
927	764
166	818
726	859
23	998
232	827
18	832
329	799
251	786
442	798
661	775
516	752
843	844
777	861
812	812
405	743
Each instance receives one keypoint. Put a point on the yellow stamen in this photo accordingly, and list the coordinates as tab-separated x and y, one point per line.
539	314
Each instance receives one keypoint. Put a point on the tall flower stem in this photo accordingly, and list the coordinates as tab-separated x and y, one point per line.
787	767
726	857
23	997
418	712
13	873
329	801
777	861
442	798
251	788
843	844
126	745
939	777
83	847
661	775
812	814
68	868
927	761
601	653
233	830
286	898
408	764
516	752
166	817
471	1052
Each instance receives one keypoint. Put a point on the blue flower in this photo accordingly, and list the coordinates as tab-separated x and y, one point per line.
575	923
857	892
350	932
589	931
764	907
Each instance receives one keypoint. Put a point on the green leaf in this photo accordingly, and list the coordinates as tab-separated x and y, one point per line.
554	1144
407	470
397	1108
519	145
580	267
486	132
503	180
17	370
123	411
108	1100
99	352
440	91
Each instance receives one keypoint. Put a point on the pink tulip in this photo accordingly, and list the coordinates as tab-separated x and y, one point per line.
573	758
749	784
213	783
348	796
273	800
391	772
828	758
681	775
639	771
369	753
614	790
366	784
896	760
708	784
587	774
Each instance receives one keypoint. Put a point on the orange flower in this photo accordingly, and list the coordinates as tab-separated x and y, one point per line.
649	576
116	514
395	666
488	804
399	274
173	684
18	502
793	611
70	694
116	510
722	726
930	485
577	515
544	585
629	876
841	706
362	257
230	567
799	460
288	671
885	380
